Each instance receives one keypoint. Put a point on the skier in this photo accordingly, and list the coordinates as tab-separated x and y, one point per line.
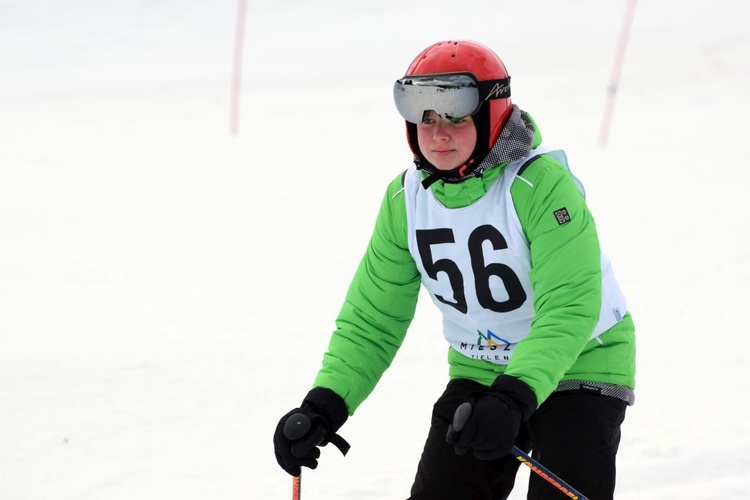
496	228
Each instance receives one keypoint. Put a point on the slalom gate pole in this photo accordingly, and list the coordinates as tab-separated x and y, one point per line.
614	82
547	474
239	36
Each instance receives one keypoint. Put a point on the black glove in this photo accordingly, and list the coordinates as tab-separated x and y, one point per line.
494	418
321	414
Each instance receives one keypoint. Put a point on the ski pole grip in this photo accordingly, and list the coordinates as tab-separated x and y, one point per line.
463	412
461	416
298	425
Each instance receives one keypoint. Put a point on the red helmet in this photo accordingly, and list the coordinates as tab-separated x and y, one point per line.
464	56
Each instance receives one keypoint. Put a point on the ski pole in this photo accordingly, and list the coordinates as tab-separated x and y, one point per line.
297	487
547	474
459	421
296	427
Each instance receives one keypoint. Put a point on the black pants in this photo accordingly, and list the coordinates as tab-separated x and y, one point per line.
574	434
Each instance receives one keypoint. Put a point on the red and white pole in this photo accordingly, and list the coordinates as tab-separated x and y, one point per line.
239	40
614	81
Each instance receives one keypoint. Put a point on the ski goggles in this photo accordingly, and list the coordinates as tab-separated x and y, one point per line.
453	96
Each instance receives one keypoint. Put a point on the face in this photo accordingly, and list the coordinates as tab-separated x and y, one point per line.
446	144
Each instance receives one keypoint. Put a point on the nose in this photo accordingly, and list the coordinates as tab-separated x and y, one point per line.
441	130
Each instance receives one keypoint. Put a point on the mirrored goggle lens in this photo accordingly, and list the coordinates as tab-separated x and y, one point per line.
450	96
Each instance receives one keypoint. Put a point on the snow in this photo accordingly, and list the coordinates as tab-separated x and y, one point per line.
168	290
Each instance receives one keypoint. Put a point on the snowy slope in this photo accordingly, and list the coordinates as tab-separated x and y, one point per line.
168	290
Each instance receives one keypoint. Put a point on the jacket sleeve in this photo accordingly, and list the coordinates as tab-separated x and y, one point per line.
378	308
565	275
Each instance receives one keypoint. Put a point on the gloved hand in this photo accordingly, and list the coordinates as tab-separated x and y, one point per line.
495	419
325	412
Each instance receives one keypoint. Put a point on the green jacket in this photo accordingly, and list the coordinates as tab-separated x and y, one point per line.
566	277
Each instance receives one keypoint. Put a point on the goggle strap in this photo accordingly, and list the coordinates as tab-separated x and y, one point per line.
494	89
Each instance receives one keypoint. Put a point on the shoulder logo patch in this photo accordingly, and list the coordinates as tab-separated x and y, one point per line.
562	216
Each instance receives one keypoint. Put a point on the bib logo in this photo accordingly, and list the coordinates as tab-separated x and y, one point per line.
499	348
489	342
